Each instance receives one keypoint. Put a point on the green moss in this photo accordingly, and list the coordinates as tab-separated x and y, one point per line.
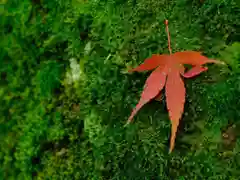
48	79
52	130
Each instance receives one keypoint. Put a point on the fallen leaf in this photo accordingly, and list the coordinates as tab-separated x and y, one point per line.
168	70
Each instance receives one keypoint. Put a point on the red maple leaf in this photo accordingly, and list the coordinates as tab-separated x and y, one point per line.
168	70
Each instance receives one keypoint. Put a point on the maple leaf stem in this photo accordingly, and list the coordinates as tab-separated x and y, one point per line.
169	38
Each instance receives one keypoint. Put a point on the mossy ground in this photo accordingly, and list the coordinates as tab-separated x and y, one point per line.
51	129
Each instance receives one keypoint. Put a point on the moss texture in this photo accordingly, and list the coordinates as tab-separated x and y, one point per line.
52	129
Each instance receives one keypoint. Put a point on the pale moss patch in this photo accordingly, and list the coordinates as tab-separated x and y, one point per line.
75	73
95	130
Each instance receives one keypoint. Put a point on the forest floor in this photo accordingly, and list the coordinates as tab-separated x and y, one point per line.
66	93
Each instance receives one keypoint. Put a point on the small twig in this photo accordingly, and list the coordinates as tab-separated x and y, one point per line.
169	38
